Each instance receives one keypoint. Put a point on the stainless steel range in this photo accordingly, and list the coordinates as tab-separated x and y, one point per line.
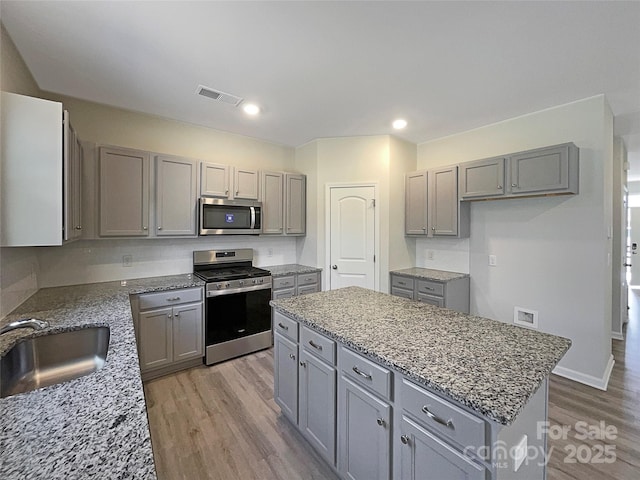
237	313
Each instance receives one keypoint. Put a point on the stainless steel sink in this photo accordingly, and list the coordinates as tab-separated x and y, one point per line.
50	359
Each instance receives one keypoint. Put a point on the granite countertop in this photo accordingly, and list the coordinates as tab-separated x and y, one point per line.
94	426
430	274
489	366
290	269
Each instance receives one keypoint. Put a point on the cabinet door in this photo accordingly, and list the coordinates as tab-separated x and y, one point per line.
214	180
154	337
317	407
482	178
272	196
443	201
295	204
245	184
176	196
71	182
285	390
540	170
425	457
77	188
364	433
415	203
188	330
124	193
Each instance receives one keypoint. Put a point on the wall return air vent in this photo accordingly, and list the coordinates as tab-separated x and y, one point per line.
218	95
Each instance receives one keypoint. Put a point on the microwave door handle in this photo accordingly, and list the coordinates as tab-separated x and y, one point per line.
253	217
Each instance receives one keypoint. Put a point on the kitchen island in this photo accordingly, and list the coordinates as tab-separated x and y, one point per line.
481	384
94	426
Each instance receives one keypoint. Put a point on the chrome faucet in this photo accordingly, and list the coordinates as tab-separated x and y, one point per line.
24	323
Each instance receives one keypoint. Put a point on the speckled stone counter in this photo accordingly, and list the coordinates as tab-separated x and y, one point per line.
95	426
429	274
489	366
290	269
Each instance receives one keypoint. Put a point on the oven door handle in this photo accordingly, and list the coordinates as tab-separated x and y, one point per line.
253	217
231	291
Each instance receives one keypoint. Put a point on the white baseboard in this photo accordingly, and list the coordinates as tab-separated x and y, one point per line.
617	336
599	383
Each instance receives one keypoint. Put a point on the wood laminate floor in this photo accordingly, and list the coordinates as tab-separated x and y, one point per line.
221	422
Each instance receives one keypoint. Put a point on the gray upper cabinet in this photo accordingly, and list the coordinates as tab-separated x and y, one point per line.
176	196
124	192
415	218
223	181
482	178
295	204
432	207
548	170
544	171
41	173
214	180
272	198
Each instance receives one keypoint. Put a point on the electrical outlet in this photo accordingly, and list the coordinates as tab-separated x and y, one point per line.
127	260
493	261
429	254
525	317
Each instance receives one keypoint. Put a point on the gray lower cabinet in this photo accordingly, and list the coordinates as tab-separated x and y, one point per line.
295	284
452	294
285	390
169	330
426	457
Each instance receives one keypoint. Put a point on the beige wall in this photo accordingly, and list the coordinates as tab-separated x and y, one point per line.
18	266
553	252
379	160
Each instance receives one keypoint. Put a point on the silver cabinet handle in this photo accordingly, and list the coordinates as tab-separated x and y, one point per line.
159	228
361	373
173	299
424	228
429	288
401	283
303	364
144	228
446	423
315	345
168	315
237	192
404	439
292	356
433	228
499	187
380	421
284	327
335	267
514	184
78	227
226	192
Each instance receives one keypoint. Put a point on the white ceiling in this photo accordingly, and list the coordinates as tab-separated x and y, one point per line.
328	69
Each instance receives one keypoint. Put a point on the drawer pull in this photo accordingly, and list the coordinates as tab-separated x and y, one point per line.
429	288
361	373
314	345
173	299
401	283
446	423
283	326
292	356
404	439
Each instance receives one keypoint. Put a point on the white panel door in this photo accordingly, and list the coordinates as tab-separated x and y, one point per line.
352	237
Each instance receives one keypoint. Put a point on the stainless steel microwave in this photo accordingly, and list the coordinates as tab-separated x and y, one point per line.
230	217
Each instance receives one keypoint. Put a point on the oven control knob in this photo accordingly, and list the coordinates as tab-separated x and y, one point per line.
240	282
218	286
262	280
227	285
254	281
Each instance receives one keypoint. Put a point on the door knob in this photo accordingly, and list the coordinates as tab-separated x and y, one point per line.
335	267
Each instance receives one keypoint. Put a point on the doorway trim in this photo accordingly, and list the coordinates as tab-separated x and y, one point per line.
327	228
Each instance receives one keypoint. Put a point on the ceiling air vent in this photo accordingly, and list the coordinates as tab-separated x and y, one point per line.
218	95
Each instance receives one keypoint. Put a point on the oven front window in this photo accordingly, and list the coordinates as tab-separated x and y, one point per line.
237	315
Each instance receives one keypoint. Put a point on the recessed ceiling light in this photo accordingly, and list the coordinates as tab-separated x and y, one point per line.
251	109
399	124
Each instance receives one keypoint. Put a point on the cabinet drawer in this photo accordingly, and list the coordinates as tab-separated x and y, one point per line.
365	372
402	282
284	282
308	278
401	292
171	297
285	326
441	416
308	289
431	288
431	300
318	344
286	293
